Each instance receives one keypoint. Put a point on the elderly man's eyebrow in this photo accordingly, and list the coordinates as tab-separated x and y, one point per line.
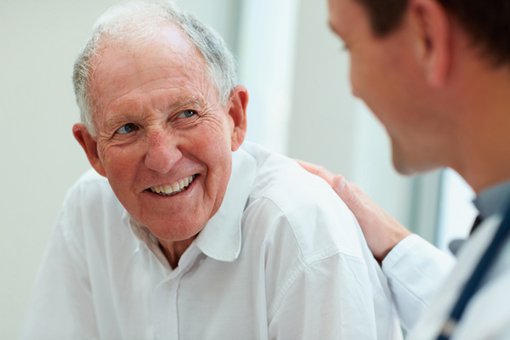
114	122
180	103
184	102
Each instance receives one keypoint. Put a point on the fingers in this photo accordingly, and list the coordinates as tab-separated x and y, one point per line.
338	183
349	193
381	230
318	170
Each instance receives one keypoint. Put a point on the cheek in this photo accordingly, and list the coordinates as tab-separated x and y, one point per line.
369	81
357	78
214	150
354	82
360	71
215	133
120	163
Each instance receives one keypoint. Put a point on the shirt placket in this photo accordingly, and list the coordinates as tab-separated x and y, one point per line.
165	299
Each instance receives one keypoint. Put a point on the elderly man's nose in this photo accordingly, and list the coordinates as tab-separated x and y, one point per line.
162	153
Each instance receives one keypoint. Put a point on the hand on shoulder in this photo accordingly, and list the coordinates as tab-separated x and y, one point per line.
382	231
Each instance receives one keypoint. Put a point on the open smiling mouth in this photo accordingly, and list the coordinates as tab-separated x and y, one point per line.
173	189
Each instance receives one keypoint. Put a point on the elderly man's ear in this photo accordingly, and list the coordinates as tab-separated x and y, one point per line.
237	112
89	145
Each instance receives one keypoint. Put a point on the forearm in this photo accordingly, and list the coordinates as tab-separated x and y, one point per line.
415	268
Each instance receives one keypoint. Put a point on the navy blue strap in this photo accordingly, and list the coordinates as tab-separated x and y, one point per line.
476	224
473	284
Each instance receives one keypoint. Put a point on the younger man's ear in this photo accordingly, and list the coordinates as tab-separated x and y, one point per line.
237	111
434	34
89	145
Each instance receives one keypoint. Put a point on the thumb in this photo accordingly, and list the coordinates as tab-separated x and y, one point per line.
348	193
338	182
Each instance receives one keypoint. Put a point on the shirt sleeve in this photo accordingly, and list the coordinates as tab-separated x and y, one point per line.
415	269
331	299
61	306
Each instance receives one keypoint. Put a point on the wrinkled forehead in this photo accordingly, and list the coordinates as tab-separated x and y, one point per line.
168	44
122	63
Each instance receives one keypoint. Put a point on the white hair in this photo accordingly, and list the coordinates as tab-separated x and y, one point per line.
138	20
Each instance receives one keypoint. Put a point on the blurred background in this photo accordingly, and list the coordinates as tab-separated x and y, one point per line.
301	105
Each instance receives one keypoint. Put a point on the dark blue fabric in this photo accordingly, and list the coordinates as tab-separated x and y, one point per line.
474	282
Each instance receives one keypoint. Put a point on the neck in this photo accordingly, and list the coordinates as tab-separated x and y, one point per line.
483	130
174	250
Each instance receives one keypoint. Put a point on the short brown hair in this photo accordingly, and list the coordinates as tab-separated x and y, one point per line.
486	21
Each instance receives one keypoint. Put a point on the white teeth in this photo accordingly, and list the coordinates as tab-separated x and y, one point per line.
174	188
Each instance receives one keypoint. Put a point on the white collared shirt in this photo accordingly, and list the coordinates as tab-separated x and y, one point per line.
283	258
488	314
422	281
415	270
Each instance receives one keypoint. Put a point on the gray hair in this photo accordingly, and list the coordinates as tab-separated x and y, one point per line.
139	19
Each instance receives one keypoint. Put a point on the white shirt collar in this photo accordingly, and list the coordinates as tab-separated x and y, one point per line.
221	238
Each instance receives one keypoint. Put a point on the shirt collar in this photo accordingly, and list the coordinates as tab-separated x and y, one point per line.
145	236
221	237
493	200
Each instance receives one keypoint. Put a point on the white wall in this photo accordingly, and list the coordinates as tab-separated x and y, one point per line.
267	35
40	159
324	119
329	126
39	156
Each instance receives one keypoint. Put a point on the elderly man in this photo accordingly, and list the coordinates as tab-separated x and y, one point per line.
436	74
181	237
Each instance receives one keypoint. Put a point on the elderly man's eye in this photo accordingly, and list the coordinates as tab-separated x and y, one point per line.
187	114
127	128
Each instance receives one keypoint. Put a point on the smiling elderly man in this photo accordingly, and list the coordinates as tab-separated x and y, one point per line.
181	237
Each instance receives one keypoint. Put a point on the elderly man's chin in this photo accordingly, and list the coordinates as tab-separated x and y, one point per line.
176	232
176	217
180	230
